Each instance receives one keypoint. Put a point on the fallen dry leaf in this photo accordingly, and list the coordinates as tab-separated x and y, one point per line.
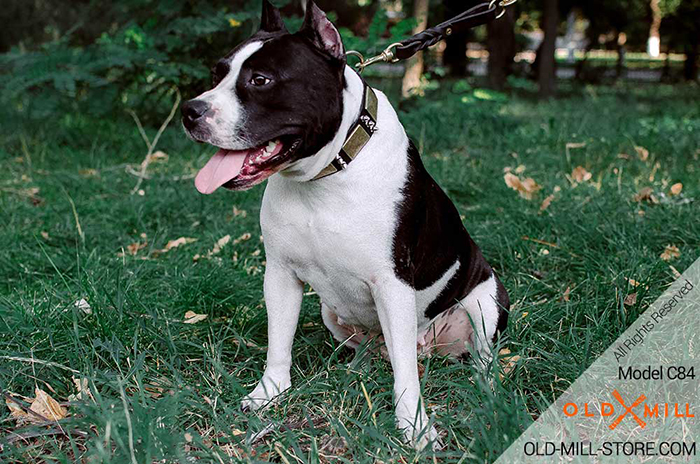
239	212
89	172
527	188
83	388
220	244
631	299
507	361
135	247
547	201
567	294
243	238
642	153
159	156
46	406
520	169
676	189
652	176
633	283
177	243
44	235
15	411
646	194
192	318
624	156
580	174
670	253
83	305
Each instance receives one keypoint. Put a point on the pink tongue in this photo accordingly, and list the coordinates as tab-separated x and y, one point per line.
223	167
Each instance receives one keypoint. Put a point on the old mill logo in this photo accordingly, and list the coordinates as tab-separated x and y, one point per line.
622	409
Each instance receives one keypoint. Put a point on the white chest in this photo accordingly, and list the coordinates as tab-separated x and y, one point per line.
335	239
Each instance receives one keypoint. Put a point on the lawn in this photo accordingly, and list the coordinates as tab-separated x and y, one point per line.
579	271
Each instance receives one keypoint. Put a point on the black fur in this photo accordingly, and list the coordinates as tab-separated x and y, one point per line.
430	237
303	102
304	98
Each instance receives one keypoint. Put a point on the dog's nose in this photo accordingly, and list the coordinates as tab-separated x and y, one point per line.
193	110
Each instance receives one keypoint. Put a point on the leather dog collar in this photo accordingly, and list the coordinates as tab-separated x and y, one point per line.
358	135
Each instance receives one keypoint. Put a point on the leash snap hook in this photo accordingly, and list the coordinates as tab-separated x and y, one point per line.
502	4
388	56
361	65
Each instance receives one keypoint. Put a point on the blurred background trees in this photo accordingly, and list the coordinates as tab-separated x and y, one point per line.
106	56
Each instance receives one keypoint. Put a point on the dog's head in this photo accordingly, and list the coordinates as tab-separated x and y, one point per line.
277	98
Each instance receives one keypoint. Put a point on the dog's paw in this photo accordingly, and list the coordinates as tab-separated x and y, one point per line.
423	439
420	437
264	395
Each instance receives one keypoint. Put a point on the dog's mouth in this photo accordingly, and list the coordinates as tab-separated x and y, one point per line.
242	169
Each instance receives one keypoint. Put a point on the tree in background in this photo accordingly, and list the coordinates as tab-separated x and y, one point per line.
682	27
621	24
502	49
455	56
654	42
415	66
546	68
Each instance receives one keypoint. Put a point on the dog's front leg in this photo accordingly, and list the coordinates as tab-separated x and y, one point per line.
396	307
283	295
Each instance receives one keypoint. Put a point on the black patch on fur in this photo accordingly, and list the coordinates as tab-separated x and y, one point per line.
304	98
430	237
271	20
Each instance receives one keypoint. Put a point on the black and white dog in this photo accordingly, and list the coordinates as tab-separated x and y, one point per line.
348	208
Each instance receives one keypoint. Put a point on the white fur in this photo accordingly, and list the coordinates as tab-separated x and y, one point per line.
483	311
227	115
428	295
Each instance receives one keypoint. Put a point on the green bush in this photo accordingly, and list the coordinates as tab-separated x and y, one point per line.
153	48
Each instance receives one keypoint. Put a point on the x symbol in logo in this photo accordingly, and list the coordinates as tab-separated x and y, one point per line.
628	410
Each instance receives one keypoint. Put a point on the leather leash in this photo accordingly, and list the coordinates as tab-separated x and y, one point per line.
362	130
478	15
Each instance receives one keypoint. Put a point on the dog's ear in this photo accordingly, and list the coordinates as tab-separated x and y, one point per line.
322	32
271	18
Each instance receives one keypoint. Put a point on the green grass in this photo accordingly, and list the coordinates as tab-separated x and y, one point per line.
62	243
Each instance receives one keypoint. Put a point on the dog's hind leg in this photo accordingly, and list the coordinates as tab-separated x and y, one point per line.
473	322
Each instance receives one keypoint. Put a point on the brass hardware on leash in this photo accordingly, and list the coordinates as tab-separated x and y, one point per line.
478	15
503	4
387	56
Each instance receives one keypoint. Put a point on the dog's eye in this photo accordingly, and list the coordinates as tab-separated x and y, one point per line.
259	80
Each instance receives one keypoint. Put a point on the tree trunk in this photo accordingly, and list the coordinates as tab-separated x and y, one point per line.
455	56
621	55
501	45
690	69
546	57
654	42
415	66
